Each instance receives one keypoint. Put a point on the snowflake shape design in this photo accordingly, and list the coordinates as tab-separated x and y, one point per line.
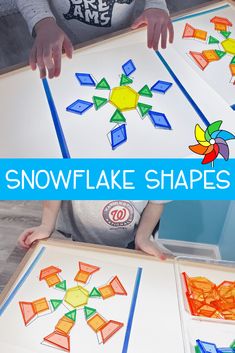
75	300
123	98
223	44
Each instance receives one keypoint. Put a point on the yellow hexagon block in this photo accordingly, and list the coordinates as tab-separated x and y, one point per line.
124	98
77	296
229	46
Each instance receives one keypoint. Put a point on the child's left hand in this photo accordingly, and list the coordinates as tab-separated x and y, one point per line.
158	26
150	247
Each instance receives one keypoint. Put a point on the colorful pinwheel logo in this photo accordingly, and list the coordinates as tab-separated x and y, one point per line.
212	142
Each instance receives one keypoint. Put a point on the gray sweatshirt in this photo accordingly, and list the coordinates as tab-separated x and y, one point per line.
83	20
111	223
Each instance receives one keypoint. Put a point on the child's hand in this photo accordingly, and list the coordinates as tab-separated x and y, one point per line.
31	235
158	25
47	49
150	247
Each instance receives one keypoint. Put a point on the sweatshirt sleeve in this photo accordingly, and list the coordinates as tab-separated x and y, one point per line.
157	4
34	11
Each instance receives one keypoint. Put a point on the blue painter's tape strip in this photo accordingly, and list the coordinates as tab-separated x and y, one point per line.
201	13
183	90
4	306
132	310
56	120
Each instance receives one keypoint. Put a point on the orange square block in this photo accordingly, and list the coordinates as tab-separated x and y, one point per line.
220	27
106	291
96	322
82	276
40	305
53	280
200	34
64	325
210	55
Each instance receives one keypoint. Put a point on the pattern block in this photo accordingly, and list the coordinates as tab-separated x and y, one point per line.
58	340
118	136
159	120
79	107
103	84
50	275
85	79
128	68
85	271
161	86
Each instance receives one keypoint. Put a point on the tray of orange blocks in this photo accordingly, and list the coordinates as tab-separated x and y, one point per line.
206	296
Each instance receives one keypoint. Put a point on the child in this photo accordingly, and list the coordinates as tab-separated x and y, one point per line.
56	24
113	223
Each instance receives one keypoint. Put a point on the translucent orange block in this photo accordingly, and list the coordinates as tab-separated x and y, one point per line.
200	34
210	55
225	287
40	305
64	325
117	286
109	329
60	340
202	284
221	20
188	31
27	311
207	299
53	280
194	305
85	271
220	27
228	314
96	322
206	310
48	271
106	291
232	69
199	59
82	276
50	275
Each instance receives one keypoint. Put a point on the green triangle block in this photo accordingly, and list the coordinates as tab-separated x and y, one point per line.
103	84
145	91
88	312
225	34
233	60
94	293
125	80
117	117
220	53
72	315
61	285
56	303
99	102
213	40
232	345
197	349
144	108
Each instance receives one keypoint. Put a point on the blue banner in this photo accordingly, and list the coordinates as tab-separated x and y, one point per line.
108	179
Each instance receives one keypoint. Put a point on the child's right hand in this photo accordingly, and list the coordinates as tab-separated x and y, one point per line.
31	235
47	50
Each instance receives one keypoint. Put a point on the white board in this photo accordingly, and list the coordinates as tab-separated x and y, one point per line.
149	313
